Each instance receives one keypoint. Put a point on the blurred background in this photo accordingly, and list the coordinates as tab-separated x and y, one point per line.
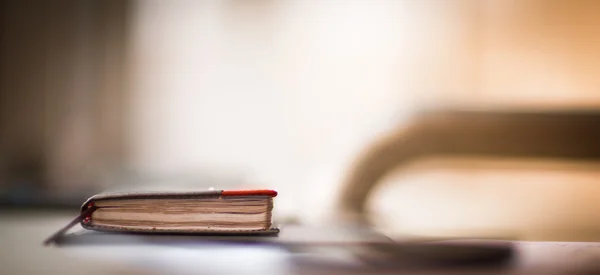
286	94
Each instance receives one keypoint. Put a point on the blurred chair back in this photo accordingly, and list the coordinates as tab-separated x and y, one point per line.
570	135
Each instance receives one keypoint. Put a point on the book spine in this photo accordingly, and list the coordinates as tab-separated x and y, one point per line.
84	217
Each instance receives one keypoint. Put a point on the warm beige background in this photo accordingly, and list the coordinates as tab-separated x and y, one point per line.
501	198
287	93
529	54
316	81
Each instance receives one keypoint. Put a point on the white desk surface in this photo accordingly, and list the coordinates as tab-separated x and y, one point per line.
22	252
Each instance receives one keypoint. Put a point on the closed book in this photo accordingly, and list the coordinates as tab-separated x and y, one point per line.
202	212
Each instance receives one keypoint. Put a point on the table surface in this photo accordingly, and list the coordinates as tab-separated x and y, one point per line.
22	252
